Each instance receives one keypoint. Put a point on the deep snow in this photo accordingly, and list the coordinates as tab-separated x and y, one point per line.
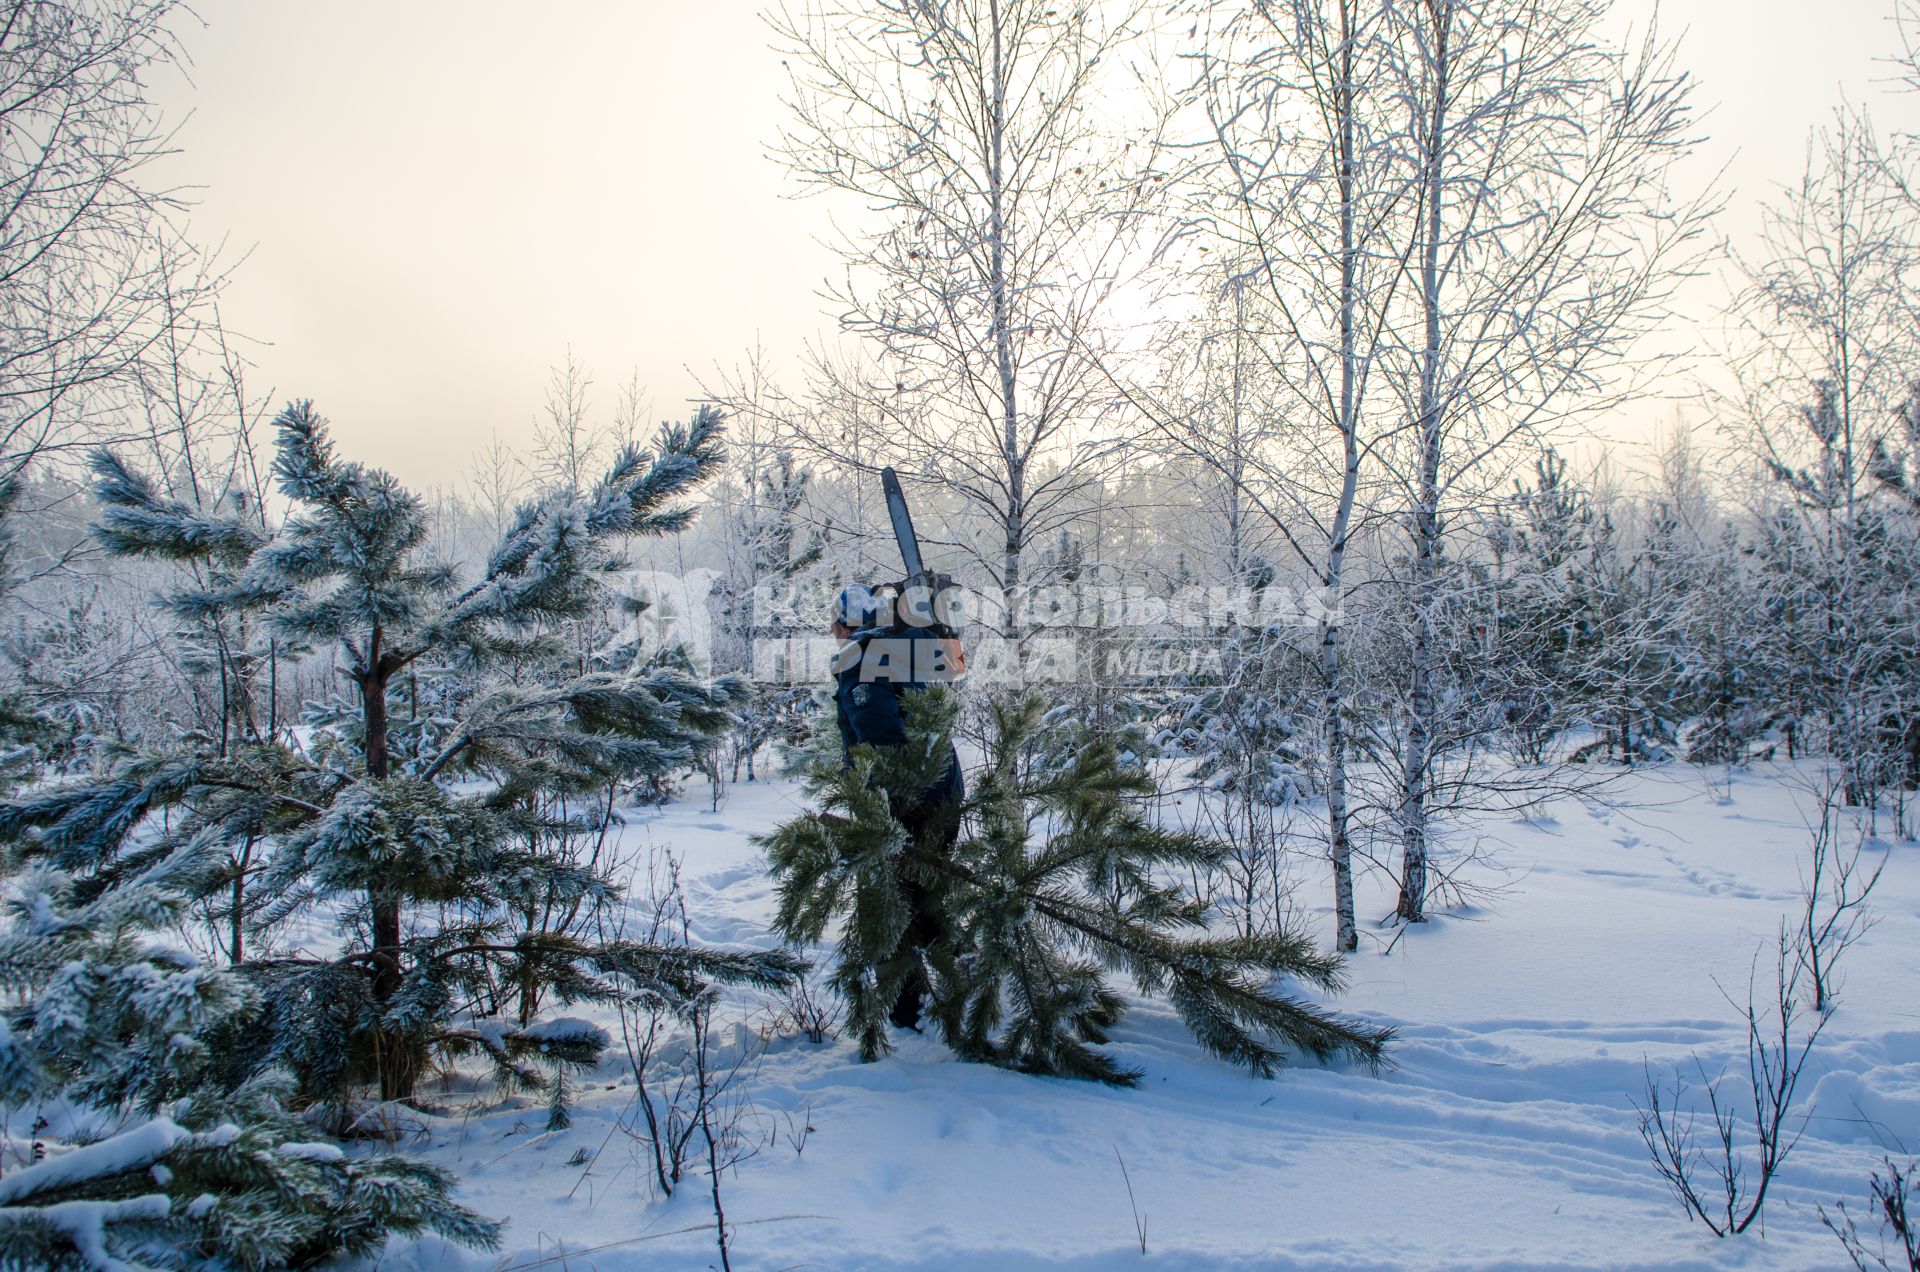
1503	1138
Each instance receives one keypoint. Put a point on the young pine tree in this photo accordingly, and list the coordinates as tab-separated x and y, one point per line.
1056	882
1837	558
767	546
1543	632
118	1029
1718	675
23	729
417	838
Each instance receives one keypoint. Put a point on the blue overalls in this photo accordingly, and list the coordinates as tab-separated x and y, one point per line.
867	709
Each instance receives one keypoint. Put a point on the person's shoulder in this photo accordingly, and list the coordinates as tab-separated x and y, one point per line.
847	658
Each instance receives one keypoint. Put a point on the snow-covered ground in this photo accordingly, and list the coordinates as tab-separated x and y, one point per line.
1503	1138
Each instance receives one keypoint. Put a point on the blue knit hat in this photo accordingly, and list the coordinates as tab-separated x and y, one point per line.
856	606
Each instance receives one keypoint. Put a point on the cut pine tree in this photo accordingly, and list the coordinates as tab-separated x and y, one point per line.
1056	883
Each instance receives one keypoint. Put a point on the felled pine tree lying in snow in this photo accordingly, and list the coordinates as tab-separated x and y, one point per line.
1057	882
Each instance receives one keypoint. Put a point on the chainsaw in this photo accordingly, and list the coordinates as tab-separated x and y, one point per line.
924	599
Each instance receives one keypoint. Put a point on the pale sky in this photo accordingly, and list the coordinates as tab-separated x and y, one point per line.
439	198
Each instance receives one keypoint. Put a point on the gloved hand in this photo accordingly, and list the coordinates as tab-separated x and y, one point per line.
931	600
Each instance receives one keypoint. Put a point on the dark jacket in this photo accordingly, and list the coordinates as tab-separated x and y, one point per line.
867	702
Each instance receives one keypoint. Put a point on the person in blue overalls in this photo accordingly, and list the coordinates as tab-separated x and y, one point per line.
867	707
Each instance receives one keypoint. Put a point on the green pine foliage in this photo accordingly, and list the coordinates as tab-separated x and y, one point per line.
418	814
1541	627
1714	662
1057	883
127	1030
419	832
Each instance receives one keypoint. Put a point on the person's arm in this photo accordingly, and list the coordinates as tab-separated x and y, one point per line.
840	721
873	714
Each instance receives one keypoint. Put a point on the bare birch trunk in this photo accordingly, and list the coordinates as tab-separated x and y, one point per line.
1014	523
1339	839
1417	758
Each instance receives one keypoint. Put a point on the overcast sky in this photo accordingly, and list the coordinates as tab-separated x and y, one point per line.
439	198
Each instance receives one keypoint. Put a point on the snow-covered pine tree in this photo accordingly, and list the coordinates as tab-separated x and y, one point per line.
1057	880
1542	631
1627	686
152	1162
1717	676
1823	399
1836	560
420	852
1896	457
22	728
116	1023
767	545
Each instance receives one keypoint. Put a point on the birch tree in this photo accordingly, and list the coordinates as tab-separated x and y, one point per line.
973	135
93	271
1299	187
1828	352
1546	240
